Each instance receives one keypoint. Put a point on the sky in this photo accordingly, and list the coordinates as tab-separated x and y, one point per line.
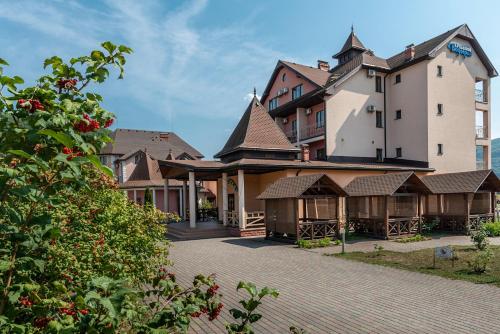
196	62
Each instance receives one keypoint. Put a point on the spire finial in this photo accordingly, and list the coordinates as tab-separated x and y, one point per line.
352	28
254	92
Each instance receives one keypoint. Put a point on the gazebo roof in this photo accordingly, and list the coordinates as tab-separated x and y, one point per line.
463	182
383	185
297	186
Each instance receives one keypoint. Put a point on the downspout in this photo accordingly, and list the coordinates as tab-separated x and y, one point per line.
385	121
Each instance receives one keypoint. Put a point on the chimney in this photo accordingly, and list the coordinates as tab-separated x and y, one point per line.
304	153
410	52
163	135
323	65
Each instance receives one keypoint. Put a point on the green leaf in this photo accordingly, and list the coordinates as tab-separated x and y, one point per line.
249	287
59	136
237	314
4	265
105	169
254	317
20	153
3	62
110	47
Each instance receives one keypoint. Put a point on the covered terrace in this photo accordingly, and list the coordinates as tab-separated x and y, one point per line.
385	206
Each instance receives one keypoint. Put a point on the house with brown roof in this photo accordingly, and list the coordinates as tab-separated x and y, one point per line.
413	113
134	156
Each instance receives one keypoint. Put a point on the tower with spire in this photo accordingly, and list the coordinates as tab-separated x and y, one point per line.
352	47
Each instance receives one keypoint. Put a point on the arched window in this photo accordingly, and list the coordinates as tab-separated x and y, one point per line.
283	77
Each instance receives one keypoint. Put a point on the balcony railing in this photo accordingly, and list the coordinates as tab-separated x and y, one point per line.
480	96
312	130
481	132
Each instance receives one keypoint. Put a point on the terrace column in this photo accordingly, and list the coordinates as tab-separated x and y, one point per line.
181	202
241	199
135	196
154	198
184	202
192	201
493	204
224	199
165	195
386	216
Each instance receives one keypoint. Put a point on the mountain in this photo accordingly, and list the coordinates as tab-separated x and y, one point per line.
495	155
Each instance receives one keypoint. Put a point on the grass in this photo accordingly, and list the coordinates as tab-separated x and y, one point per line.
421	261
318	243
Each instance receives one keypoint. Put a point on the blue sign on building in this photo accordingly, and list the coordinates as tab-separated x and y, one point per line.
459	49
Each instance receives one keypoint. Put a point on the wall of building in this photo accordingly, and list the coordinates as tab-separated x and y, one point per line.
292	79
410	96
455	129
351	130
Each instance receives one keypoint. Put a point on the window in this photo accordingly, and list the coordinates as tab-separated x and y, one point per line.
320	154
283	77
294	126
378	84
398	114
440	71
399	152
273	103
398	78
440	149
379	120
440	109
380	156
296	92
320	119
136	158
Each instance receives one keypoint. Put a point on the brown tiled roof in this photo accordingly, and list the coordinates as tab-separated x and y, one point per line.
352	42
317	76
294	187
158	144
256	130
464	182
382	185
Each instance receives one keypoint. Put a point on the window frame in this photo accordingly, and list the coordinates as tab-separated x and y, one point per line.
399	152
293	126
378	84
294	91
381	157
439	109
399	114
271	101
440	71
322	120
397	79
379	117
440	149
283	77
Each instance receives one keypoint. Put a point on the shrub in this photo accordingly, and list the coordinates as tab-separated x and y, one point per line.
415	238
479	264
308	244
148	198
429	225
492	229
378	249
480	239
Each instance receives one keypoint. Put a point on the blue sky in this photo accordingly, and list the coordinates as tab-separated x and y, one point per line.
196	62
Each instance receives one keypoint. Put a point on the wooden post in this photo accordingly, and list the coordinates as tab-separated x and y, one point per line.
184	200
165	196
386	216
467	211
224	199
419	213
493	204
241	199
135	195
339	216
154	197
296	218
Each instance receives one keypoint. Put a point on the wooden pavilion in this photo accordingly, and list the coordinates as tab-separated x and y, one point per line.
461	202
302	207
385	206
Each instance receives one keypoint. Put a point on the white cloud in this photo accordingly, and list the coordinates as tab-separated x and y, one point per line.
177	67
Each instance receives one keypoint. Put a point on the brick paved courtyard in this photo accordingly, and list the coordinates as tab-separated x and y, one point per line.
329	295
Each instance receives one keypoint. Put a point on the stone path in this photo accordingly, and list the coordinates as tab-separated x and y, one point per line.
329	295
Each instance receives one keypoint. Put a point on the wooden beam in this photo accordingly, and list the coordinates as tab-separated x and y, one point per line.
493	203
386	216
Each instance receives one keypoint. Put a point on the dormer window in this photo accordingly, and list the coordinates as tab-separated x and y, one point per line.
273	103
296	92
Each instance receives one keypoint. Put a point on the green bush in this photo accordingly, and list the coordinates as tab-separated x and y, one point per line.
317	243
492	229
415	238
480	239
479	264
148	197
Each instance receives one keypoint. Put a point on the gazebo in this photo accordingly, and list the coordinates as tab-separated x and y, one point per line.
385	206
302	207
461	202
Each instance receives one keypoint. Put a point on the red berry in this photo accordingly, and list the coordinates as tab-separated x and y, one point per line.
83	312
109	122
67	150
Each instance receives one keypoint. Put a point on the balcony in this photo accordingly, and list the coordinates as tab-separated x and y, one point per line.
311	131
291	135
481	132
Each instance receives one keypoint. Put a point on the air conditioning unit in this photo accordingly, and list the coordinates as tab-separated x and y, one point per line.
370	108
285	120
282	91
371	73
308	111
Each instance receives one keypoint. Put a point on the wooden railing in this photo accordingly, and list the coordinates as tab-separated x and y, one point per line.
253	219
476	221
403	225
317	229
